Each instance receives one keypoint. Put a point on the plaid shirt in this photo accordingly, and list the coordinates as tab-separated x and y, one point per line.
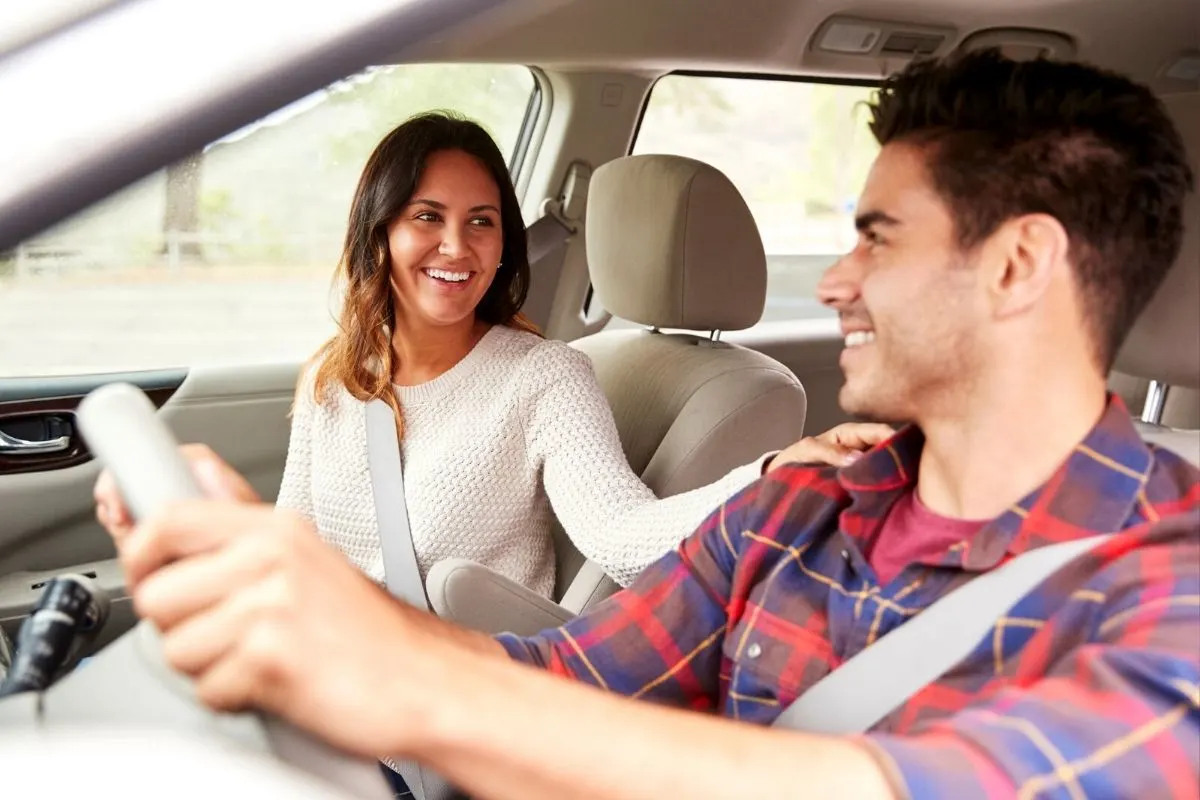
1089	687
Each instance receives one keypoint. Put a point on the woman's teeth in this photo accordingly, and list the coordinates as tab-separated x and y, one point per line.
857	338
445	275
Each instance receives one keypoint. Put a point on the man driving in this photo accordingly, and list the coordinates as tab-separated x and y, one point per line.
1017	220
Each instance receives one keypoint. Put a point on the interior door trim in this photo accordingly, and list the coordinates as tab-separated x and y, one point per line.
25	401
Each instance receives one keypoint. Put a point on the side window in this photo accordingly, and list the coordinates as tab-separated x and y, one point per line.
228	257
799	153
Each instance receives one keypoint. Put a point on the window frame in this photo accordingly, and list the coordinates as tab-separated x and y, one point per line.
534	107
780	77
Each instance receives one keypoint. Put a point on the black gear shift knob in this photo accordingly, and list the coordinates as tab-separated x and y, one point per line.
6	654
69	614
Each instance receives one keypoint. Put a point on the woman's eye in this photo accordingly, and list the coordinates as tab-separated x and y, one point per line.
427	216
483	222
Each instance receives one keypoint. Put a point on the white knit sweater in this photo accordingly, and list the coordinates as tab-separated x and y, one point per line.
516	427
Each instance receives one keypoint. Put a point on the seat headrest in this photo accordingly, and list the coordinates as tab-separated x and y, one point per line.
1164	344
671	243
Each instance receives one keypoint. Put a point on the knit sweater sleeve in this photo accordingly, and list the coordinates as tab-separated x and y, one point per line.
295	490
612	517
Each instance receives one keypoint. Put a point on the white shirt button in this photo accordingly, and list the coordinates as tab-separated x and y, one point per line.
754	650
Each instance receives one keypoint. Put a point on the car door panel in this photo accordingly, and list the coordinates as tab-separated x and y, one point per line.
48	526
37	426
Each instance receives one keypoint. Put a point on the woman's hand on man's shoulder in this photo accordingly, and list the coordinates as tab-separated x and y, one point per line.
839	446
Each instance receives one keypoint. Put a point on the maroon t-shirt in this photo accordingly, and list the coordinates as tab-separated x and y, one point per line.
913	533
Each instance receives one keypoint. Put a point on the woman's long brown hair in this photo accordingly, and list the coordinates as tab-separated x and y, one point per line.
360	356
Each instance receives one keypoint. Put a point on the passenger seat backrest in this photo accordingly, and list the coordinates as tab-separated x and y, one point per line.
672	245
1164	344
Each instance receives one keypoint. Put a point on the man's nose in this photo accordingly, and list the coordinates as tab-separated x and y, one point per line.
839	286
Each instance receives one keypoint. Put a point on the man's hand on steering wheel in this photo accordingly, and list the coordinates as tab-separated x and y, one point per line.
217	480
262	614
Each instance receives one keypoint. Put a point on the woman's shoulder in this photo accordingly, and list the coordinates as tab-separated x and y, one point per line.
332	398
544	362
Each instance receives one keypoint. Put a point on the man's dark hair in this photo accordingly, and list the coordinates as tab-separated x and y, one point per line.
1089	147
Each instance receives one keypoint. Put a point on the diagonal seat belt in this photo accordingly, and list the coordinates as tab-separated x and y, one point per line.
879	679
401	571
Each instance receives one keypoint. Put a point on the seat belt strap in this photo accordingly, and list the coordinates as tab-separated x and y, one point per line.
544	235
879	679
400	570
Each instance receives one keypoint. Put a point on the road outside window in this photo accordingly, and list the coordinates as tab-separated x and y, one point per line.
227	257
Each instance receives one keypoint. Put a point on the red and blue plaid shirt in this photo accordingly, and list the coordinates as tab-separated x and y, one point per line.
1088	687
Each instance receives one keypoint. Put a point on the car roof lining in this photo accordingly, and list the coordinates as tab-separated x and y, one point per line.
774	36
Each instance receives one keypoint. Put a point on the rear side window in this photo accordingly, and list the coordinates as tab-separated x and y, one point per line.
799	153
228	257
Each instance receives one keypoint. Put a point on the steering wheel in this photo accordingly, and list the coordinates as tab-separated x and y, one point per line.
129	682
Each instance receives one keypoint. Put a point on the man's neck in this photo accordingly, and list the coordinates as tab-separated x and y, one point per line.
425	352
1010	440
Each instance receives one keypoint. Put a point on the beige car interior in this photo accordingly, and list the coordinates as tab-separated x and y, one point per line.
1163	349
671	245
698	384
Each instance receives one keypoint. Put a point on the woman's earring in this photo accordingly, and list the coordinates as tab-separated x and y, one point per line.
498	266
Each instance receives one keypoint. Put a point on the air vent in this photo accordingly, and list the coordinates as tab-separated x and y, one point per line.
902	43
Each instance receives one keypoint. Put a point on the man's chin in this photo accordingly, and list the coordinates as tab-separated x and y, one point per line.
863	405
854	401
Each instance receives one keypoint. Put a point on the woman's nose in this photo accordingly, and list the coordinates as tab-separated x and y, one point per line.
454	243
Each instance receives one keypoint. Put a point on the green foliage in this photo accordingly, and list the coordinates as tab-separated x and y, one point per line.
493	95
699	99
216	209
840	147
781	142
279	190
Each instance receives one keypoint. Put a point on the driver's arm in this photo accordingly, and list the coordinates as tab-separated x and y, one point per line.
263	614
1113	717
520	733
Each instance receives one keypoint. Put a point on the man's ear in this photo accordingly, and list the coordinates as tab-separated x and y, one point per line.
1025	255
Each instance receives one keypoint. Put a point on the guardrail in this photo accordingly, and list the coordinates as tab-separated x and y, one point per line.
174	249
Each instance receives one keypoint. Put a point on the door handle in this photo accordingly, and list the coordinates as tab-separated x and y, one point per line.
12	446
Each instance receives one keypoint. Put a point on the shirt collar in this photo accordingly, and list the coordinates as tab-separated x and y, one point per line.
1094	490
